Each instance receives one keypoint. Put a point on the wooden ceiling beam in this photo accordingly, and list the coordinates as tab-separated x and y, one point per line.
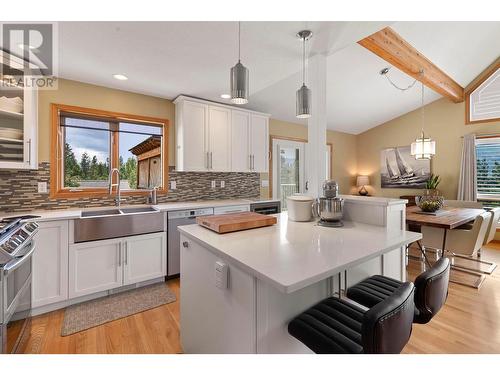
391	47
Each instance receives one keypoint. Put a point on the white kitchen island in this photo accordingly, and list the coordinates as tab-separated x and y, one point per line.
275	273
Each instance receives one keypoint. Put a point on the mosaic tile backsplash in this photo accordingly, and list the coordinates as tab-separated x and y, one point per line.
19	190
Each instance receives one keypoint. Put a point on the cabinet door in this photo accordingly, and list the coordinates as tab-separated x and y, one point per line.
259	143
145	258
18	141
50	263
219	125
240	150
194	142
31	128
94	267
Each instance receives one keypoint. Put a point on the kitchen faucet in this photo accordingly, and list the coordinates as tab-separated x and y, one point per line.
118	195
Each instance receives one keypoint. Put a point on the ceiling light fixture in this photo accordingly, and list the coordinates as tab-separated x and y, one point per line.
303	96
239	77
225	96
424	148
120	77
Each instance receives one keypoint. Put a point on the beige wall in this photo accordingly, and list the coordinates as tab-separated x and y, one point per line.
103	98
444	122
343	153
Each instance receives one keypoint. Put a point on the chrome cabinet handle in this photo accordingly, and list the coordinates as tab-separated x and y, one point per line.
126	253
120	254
211	160
29	151
185	244
207	162
250	162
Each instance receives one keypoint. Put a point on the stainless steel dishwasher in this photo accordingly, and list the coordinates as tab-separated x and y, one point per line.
175	219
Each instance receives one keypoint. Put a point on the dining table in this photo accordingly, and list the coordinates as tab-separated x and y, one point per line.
446	218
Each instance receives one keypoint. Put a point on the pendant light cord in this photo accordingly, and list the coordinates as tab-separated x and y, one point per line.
239	41
423	107
304	61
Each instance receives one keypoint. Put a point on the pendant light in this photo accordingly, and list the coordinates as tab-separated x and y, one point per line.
239	77
424	148
303	96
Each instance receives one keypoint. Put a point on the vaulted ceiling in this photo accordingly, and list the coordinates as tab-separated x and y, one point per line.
166	59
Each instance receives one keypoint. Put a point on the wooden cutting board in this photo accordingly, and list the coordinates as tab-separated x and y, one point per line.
234	222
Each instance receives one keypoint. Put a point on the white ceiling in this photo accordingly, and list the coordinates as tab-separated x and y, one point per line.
166	59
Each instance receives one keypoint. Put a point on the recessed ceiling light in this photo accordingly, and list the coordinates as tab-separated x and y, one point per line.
225	96
120	77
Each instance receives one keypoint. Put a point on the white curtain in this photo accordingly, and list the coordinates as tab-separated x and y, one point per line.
467	183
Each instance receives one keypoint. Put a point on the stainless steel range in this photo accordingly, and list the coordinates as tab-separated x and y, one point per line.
16	250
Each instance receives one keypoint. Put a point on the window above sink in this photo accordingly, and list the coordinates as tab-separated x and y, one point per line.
89	143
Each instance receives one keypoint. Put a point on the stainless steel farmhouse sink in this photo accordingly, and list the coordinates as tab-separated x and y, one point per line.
101	213
117	222
134	210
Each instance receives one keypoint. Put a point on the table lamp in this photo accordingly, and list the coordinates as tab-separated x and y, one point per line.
361	181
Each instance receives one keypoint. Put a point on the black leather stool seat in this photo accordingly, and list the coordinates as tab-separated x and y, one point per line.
373	290
336	326
431	290
331	326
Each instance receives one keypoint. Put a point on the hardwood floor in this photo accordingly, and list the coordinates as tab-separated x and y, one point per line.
152	331
468	323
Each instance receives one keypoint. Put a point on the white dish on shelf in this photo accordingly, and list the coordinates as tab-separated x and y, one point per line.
10	133
11	104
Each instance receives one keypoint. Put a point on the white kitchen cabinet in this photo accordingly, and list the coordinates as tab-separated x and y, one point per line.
95	266
191	132
259	143
240	151
145	258
18	124
102	265
220	138
249	142
50	263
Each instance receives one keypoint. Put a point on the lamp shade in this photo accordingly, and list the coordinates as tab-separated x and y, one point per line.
362	181
423	148
303	102
239	84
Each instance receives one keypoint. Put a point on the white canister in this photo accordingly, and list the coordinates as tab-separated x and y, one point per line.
299	207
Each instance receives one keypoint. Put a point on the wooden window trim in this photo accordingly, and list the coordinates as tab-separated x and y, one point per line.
487	73
56	188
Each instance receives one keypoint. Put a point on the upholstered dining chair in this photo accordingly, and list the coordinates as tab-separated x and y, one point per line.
492	228
461	242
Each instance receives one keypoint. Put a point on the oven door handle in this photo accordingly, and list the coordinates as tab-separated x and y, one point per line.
11	266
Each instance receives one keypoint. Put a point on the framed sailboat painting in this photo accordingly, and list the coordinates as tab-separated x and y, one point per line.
399	169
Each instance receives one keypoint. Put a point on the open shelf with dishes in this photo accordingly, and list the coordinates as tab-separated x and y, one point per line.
18	119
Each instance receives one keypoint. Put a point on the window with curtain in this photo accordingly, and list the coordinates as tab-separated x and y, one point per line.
90	143
488	170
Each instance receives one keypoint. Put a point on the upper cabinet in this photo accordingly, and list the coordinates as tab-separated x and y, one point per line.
18	123
219	138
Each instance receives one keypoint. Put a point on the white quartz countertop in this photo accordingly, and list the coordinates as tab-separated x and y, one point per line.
69	214
292	255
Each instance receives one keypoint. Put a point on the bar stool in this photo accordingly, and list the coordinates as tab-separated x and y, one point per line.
431	290
335	326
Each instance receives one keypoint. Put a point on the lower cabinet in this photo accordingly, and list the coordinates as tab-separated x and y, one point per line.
102	265
145	258
50	263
